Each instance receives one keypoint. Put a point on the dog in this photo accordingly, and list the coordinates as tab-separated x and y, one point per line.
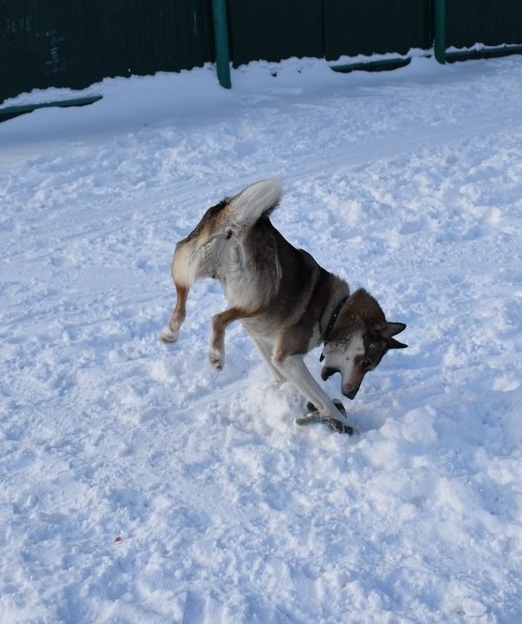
285	300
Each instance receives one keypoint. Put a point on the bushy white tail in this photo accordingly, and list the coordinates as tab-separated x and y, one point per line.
259	198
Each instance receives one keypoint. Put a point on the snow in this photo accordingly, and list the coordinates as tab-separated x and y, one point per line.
138	485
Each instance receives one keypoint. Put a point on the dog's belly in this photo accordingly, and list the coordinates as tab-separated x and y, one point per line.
249	282
247	293
263	329
281	337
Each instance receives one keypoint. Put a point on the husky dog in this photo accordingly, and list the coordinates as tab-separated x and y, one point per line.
286	302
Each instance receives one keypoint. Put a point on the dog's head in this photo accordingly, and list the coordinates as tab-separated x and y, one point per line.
359	339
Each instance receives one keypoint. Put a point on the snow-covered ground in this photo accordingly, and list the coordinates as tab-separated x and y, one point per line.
138	485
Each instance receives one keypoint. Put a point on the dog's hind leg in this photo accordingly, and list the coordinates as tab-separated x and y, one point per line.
220	322
185	271
171	333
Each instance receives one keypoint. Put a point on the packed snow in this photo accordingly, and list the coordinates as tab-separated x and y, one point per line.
139	485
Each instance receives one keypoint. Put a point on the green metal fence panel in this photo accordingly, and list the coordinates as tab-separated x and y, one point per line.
144	36
491	22
20	51
73	43
273	30
355	27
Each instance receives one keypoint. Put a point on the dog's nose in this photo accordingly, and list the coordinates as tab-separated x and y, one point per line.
350	392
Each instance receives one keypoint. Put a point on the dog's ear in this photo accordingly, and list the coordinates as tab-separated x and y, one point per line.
395	344
388	330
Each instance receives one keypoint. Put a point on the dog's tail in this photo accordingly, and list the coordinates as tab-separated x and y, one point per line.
259	199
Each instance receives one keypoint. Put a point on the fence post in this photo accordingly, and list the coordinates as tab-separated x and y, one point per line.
221	37
440	30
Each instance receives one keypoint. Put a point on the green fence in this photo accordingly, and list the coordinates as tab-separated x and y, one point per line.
74	43
397	26
491	22
275	29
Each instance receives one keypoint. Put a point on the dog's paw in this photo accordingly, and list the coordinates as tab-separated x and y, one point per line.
335	424
338	404
339	426
217	360
168	336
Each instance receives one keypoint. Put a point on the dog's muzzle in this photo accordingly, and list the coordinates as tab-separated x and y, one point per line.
351	393
327	372
349	390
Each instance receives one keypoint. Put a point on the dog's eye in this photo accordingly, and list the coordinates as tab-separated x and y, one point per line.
366	363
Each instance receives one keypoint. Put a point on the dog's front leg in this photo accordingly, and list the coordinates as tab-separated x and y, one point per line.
296	371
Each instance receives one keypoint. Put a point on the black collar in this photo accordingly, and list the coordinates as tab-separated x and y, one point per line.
333	318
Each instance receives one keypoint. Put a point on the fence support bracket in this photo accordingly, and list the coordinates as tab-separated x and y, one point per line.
8	112
440	30
221	36
382	65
